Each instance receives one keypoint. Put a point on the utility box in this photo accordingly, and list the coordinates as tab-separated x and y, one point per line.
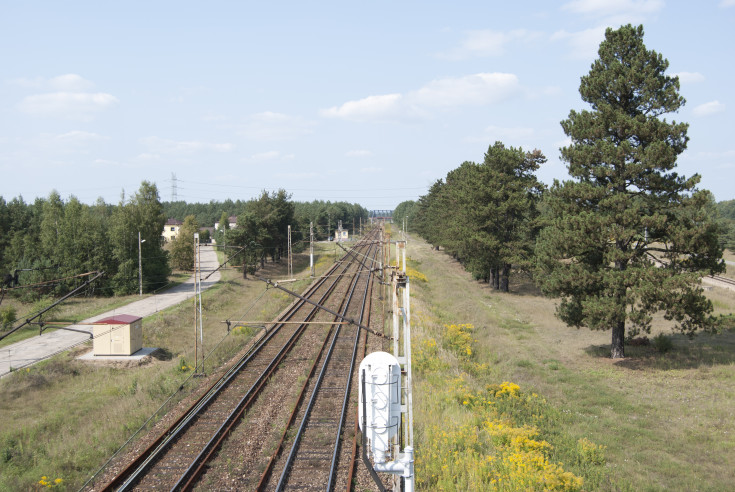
121	334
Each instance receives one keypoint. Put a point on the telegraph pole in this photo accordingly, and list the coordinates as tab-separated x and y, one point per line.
140	265
198	337
290	257
311	248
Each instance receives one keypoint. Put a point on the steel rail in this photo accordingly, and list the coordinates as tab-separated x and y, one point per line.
135	468
255	387
315	392
266	474
722	279
193	472
346	400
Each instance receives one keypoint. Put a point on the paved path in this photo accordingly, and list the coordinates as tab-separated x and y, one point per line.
32	350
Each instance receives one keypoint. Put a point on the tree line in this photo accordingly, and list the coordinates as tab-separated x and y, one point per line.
53	239
624	238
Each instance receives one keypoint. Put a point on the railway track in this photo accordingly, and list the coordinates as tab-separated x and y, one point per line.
188	452
722	279
311	459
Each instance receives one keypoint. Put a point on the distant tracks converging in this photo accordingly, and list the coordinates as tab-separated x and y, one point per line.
181	455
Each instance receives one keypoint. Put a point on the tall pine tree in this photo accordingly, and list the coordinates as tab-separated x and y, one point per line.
627	237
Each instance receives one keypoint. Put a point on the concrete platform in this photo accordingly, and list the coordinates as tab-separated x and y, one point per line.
139	355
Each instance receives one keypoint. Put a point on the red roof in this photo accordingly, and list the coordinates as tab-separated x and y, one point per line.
118	319
174	222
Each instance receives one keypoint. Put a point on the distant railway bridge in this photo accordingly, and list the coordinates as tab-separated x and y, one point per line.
378	215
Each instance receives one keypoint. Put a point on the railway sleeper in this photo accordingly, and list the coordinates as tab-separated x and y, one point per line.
314	455
323	422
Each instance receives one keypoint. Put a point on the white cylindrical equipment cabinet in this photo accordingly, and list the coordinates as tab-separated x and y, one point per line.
382	374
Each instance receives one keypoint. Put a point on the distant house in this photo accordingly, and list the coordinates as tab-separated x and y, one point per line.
171	229
232	220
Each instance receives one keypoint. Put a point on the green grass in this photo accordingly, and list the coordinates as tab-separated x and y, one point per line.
63	418
664	418
72	310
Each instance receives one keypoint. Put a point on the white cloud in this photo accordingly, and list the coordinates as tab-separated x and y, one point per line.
71	105
69	82
486	42
272	155
159	146
476	89
358	153
607	13
583	44
481	88
690	77
563	143
148	156
276	126
727	154
79	137
727	3
371	170
709	108
615	11
73	142
369	108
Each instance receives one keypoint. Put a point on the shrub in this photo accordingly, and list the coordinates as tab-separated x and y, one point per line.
426	357
458	339
7	317
416	275
662	343
496	451
590	453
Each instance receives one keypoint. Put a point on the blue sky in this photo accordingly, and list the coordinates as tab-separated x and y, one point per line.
367	102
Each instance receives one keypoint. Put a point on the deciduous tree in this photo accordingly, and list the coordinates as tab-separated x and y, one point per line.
182	246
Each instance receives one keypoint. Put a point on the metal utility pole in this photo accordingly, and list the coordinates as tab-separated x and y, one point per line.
311	248
290	256
140	265
198	337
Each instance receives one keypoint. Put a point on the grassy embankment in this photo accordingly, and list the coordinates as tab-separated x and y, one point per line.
63	418
518	401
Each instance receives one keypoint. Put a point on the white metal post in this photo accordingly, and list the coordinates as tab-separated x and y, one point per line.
404	257
407	353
